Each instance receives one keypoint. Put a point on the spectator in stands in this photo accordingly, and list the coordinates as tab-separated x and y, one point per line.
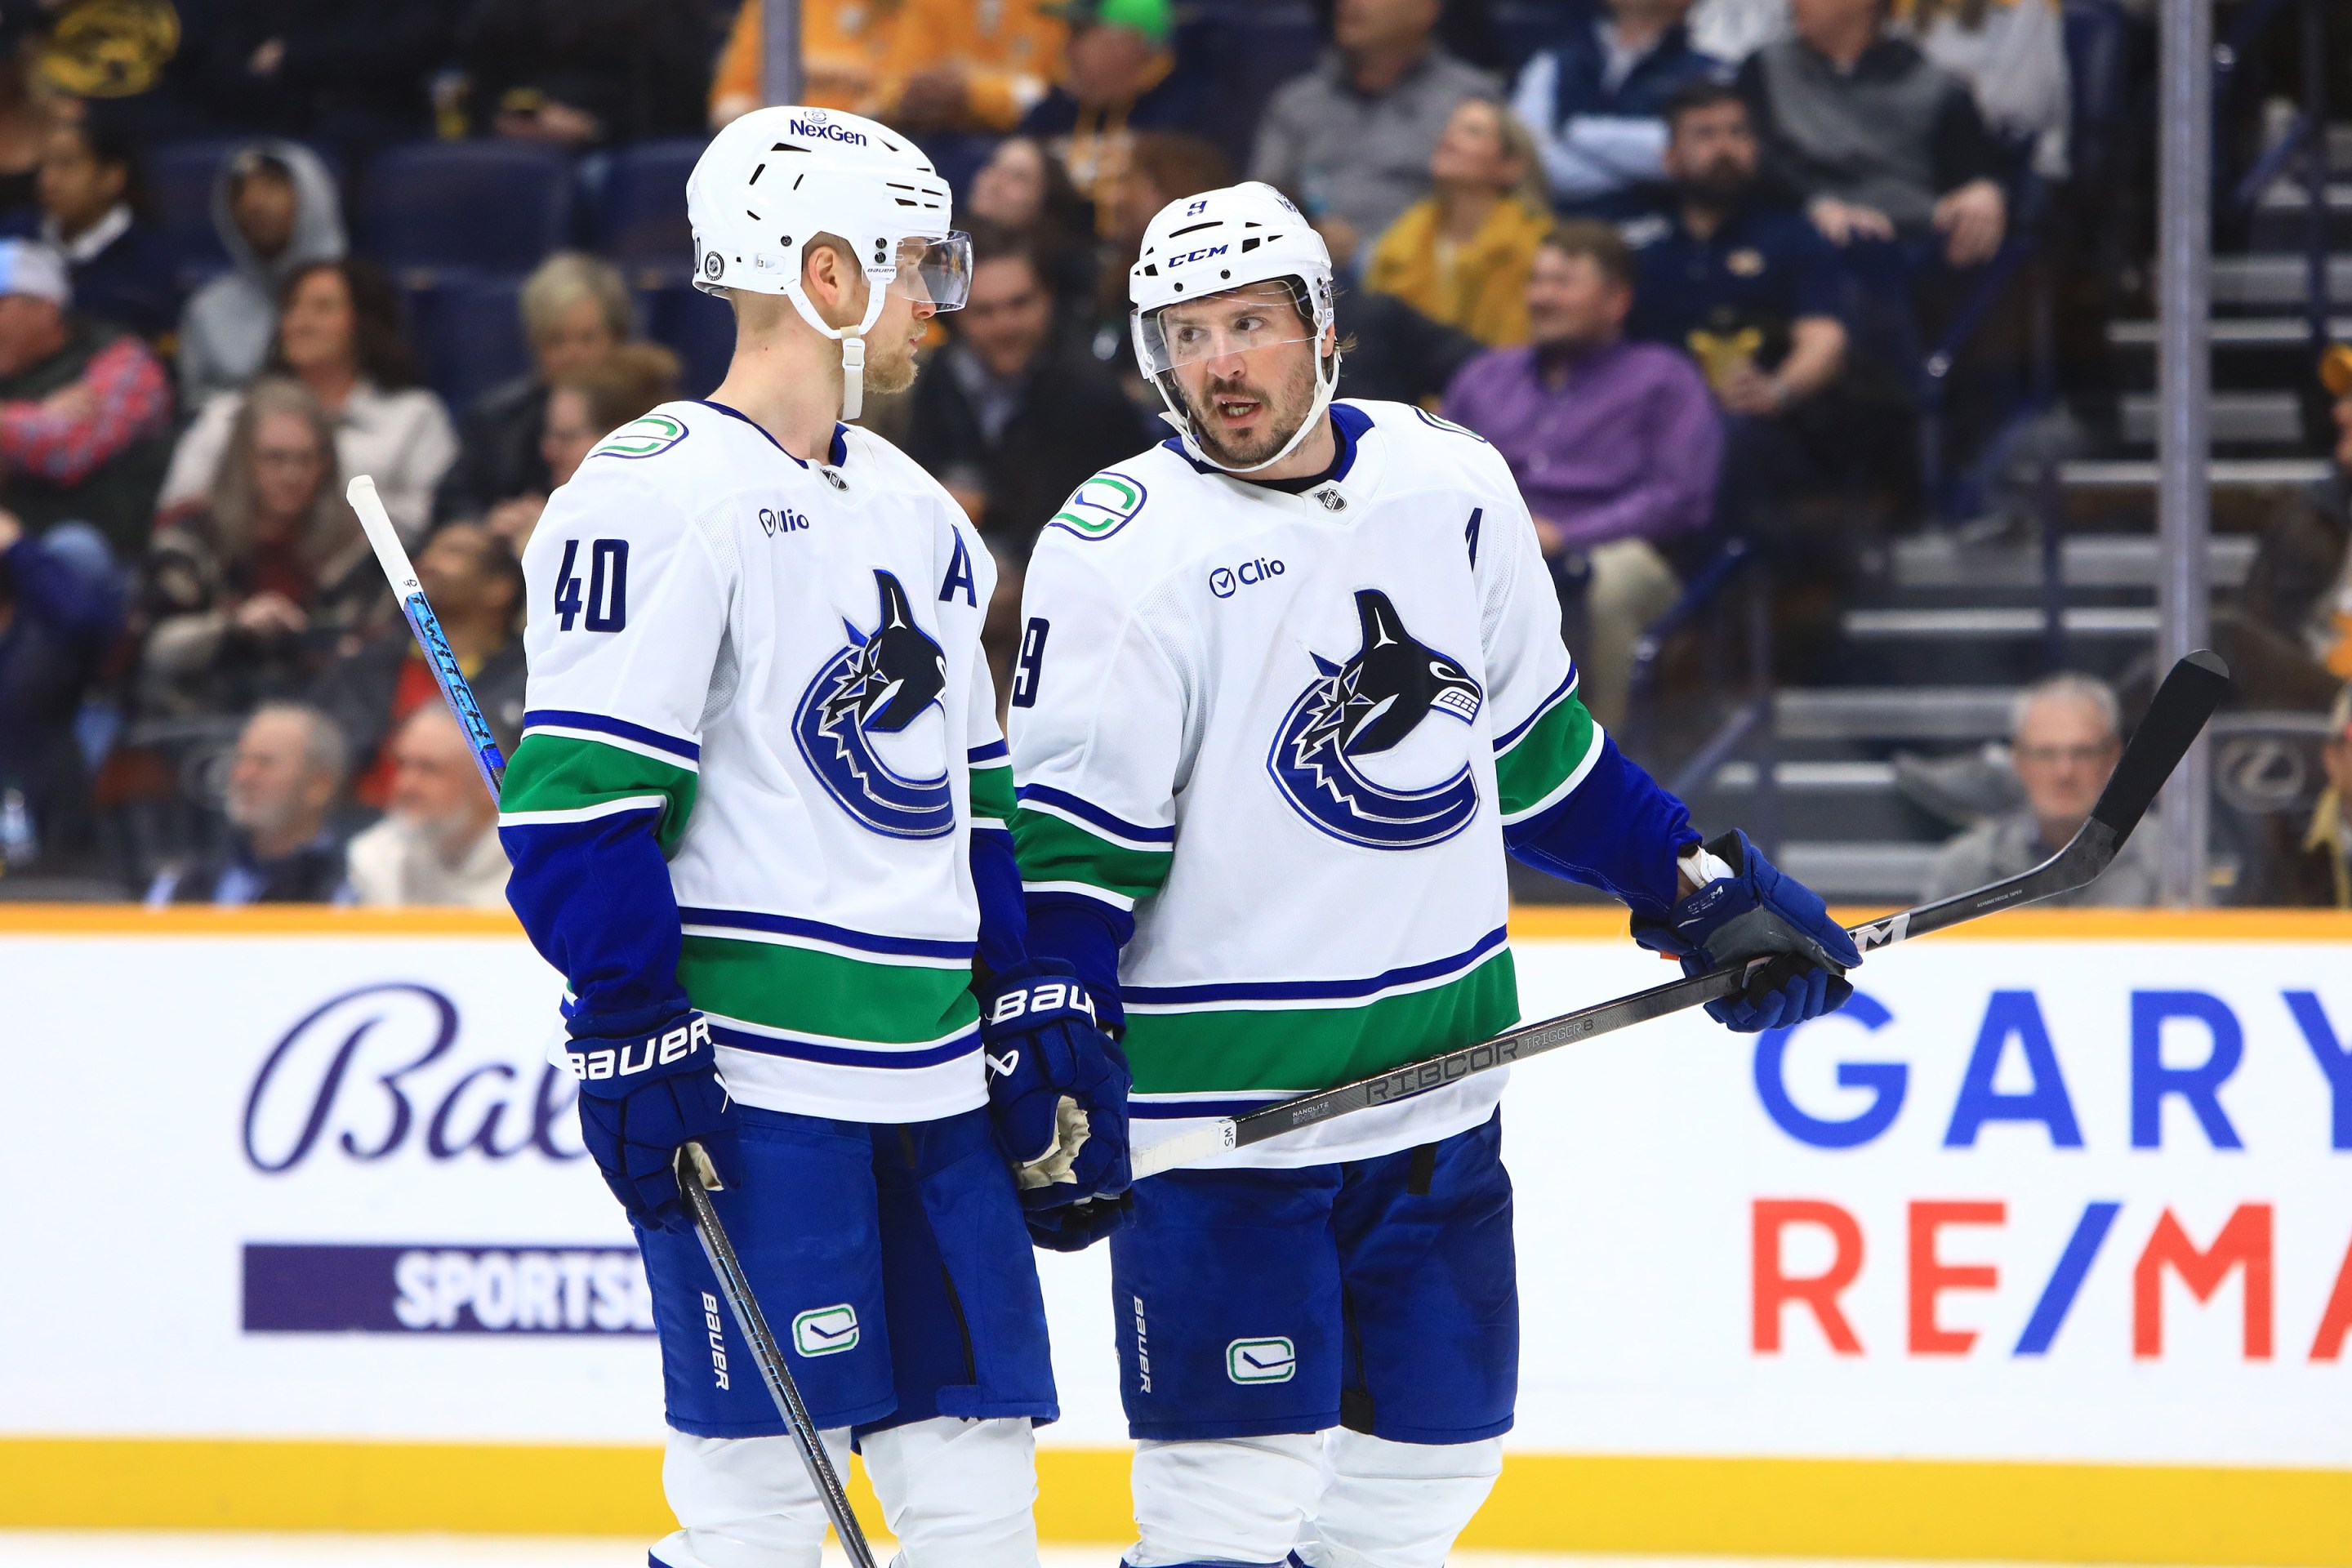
1747	288
1461	255
586	73
2318	864
1350	141
1880	143
338	333
60	610
1024	190
90	194
1119	78
1597	102
846	47
24	116
244	595
1615	444
350	72
2065	734
1010	425
1731	30
2012	55
924	65
275	209
85	408
584	407
575	310
438	841
1399	354
283	782
1162	168
2288	638
476	587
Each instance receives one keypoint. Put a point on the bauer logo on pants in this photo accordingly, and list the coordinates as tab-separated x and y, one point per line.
1261	1360
825	1331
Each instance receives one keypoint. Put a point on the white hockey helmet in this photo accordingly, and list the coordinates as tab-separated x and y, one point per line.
1225	239
777	177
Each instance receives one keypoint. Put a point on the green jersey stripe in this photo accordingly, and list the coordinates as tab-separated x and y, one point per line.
1300	1049
1052	848
811	991
991	791
565	773
1555	754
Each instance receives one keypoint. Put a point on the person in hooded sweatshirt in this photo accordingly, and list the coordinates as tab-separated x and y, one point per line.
277	211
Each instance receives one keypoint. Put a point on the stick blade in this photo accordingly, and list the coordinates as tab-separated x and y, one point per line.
2187	699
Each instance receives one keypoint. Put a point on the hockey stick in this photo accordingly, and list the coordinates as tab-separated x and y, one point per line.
2183	704
694	1172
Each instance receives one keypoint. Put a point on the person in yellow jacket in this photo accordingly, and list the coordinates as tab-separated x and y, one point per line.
970	65
1461	255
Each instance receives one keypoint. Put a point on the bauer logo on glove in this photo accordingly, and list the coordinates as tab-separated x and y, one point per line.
624	1061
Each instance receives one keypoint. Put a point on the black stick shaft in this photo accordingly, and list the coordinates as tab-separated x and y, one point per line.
2181	706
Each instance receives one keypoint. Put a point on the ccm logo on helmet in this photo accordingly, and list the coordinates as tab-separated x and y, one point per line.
829	132
1192	256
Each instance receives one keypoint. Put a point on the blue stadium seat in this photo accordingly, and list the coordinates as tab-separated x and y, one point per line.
179	177
469	336
641	220
697	327
485	206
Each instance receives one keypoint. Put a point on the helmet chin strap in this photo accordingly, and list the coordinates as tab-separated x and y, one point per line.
851	339
1326	380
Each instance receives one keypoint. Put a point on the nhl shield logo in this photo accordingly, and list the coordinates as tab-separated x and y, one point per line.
879	685
1368	706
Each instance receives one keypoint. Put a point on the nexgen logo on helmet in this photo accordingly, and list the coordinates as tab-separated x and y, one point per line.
1202	246
776	178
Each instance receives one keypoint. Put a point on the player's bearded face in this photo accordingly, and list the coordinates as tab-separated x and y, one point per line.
890	346
1245	405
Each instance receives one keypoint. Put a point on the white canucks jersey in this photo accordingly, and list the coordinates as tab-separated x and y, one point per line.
771	670
1286	732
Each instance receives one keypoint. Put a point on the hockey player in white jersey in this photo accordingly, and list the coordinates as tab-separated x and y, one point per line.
758	820
1290	684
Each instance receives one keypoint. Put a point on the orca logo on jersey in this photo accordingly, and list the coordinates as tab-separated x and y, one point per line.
1368	706
880	685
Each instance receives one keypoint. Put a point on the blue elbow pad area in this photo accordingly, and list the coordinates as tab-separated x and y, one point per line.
1617	831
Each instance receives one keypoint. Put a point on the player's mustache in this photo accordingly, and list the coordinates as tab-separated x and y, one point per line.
1237	388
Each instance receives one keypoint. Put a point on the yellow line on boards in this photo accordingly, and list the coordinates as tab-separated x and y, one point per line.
1544	1502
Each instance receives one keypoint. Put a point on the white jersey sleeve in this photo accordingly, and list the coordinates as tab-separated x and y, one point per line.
628	609
1545	741
1101	718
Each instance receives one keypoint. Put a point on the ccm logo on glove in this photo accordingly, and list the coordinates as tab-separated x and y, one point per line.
1045	996
624	1061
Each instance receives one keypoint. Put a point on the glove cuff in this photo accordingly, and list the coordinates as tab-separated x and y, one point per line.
1031	994
609	1068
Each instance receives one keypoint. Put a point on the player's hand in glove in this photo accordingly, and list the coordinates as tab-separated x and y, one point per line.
640	1098
1057	1092
1755	911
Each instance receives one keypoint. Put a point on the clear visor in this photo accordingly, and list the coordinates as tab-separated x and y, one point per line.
1221	326
934	271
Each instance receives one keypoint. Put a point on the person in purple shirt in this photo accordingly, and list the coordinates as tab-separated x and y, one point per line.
1615	444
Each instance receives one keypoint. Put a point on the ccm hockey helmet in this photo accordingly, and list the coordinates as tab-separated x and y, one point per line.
1206	244
777	177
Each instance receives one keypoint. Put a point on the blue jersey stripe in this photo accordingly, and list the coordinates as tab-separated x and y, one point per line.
817	931
843	1056
1505	742
1191	1110
1312	990
1087	811
988	754
572	719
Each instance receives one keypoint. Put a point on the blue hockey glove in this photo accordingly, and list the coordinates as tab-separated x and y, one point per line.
1058	1086
1755	911
1075	1226
640	1099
